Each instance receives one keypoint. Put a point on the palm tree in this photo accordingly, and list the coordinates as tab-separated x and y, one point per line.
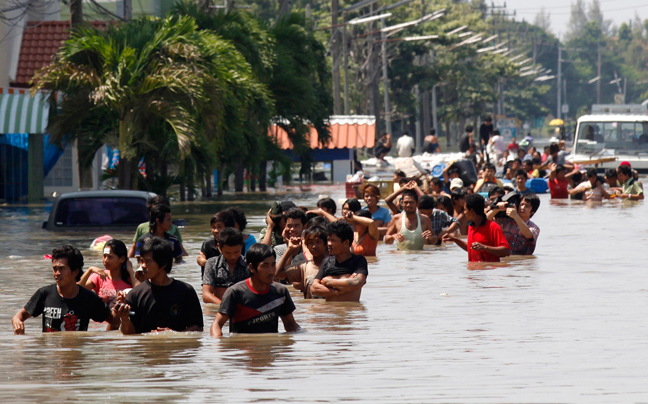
148	74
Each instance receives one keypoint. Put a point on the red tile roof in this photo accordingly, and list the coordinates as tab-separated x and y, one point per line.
347	131
40	42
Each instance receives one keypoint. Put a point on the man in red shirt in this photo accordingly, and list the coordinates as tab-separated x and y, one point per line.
486	241
558	182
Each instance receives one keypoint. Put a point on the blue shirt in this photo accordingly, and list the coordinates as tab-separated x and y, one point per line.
381	214
248	243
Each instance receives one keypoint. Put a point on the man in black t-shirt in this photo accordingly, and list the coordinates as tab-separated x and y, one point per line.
486	131
343	274
256	304
160	303
65	306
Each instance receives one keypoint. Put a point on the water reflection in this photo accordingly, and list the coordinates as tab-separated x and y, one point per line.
562	325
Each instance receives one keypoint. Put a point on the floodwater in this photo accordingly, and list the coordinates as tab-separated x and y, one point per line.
568	325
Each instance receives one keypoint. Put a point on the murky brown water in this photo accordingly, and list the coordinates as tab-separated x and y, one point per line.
566	326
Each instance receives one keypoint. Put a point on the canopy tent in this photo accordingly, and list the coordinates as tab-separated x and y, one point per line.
23	147
22	113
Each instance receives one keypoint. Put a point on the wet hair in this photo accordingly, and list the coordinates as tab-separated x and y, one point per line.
577	177
341	229
157	200
521	172
427	202
73	256
403	181
328	204
257	253
354	204
296	213
469	128
239	217
611	173
591	172
533	199
454	170
437	182
372	189
119	249
230	237
316	232
476	203
625	170
161	250
560	168
489	166
411	193
553	148
363	213
496	190
458	193
158	212
317	221
446	203
224	216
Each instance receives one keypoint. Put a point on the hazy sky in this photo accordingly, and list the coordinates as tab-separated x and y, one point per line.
616	10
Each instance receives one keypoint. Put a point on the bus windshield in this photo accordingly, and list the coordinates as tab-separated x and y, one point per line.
628	137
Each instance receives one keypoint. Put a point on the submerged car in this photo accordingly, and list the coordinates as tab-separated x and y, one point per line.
98	210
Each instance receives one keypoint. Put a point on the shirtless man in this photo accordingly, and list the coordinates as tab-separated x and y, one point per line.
343	274
410	229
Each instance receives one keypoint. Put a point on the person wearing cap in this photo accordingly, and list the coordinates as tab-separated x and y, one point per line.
410	229
272	235
456	183
630	188
486	241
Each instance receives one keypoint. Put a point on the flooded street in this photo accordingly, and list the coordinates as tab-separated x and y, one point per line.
568	325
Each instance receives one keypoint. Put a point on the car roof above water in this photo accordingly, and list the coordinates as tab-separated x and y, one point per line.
98	211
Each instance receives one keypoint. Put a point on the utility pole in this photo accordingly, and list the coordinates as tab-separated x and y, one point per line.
419	140
337	108
76	12
345	52
558	83
598	83
388	126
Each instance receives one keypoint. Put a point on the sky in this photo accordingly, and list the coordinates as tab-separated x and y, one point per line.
616	10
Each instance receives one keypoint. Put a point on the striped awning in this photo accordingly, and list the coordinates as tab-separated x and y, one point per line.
22	113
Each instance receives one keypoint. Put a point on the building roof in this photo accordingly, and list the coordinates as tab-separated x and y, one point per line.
40	42
347	132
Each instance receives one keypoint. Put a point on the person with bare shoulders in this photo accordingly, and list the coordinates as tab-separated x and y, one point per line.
302	275
410	229
343	274
256	304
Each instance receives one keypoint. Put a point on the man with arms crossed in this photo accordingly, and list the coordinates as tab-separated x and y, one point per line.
160	303
343	274
256	304
410	229
65	305
486	242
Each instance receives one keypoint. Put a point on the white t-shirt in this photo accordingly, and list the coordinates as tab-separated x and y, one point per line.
498	144
404	146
